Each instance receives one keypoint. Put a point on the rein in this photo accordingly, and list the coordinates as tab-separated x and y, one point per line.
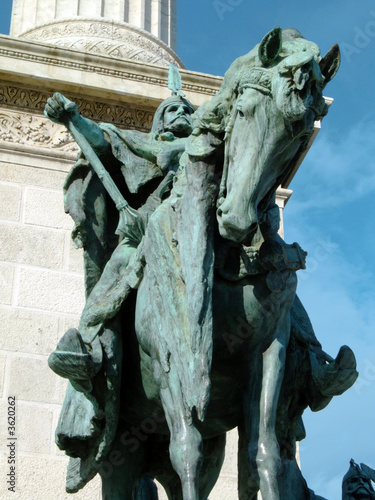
224	176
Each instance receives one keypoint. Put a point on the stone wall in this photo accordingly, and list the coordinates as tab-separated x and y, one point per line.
41	293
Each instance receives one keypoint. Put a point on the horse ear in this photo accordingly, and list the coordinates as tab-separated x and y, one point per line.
330	63
270	46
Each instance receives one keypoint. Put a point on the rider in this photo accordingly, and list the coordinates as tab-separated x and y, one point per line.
143	157
356	484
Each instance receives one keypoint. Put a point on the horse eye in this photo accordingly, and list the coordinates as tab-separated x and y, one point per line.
240	113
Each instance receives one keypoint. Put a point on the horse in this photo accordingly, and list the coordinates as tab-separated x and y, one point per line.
209	327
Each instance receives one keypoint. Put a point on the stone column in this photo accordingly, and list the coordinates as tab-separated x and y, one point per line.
143	30
158	17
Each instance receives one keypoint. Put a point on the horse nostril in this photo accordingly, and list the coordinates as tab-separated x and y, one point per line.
221	208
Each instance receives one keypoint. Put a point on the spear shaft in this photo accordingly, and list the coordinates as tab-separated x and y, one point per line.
130	221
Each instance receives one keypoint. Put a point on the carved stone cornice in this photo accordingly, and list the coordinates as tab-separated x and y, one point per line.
108	38
25	60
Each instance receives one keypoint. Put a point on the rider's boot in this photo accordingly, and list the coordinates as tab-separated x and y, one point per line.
76	360
332	379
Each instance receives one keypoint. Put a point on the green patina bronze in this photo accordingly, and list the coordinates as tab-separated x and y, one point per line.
357	482
192	325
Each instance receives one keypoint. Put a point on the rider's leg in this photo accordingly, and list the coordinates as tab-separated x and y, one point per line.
78	355
110	291
330	378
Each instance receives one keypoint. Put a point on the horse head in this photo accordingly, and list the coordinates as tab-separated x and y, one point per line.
267	106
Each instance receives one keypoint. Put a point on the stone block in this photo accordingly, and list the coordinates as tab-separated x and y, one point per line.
34	428
55	451
6	283
75	258
2	373
226	487
46	208
230	462
10	201
43	478
31	379
33	246
50	291
27	331
67	322
161	492
31	176
61	384
3	427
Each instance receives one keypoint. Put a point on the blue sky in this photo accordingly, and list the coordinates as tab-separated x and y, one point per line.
331	212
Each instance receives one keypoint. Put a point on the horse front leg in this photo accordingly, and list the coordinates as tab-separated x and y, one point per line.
266	372
185	447
268	461
268	454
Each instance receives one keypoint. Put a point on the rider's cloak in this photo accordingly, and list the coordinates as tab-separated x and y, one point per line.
137	162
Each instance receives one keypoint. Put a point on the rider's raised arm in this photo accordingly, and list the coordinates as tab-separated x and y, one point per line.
61	110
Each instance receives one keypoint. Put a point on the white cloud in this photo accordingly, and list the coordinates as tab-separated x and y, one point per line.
338	291
338	170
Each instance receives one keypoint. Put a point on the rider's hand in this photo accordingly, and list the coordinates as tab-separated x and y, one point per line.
59	109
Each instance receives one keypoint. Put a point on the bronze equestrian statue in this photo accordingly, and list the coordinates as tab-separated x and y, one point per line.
192	324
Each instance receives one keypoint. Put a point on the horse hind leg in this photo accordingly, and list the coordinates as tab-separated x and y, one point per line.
123	468
185	447
248	479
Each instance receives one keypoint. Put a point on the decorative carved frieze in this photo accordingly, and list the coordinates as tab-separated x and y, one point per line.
120	115
22	121
29	130
102	37
19	97
124	116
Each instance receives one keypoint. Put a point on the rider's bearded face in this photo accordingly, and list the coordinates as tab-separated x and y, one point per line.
358	488
177	119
